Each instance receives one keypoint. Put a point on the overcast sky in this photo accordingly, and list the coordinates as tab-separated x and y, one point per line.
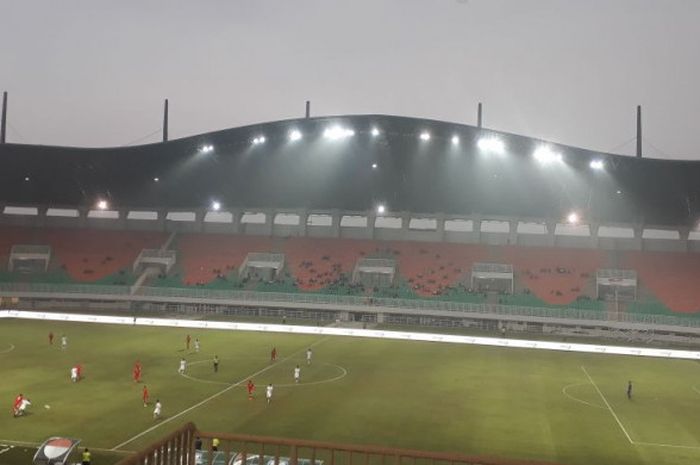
94	73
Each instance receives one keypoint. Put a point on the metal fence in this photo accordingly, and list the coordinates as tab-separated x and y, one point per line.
187	446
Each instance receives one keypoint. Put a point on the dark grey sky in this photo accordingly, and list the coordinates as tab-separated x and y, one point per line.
94	73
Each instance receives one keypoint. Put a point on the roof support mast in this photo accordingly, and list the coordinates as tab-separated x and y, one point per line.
165	121
639	131
3	122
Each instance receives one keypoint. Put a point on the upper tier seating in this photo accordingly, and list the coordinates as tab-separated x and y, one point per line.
86	255
555	275
673	277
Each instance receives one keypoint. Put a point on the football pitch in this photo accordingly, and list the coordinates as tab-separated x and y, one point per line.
511	404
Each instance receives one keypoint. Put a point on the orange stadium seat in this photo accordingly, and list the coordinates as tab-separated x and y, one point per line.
673	277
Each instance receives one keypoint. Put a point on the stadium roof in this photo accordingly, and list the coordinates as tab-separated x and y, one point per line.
355	163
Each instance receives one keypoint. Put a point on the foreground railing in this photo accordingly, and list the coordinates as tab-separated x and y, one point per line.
328	301
187	446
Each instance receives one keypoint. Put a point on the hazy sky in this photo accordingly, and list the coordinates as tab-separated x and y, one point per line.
94	73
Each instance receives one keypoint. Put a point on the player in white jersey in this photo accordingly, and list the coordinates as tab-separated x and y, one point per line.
309	354
156	410
64	342
74	374
183	366
23	406
196	345
297	374
268	393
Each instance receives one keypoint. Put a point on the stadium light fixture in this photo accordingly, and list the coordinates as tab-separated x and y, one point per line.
336	132
573	218
545	155
492	145
374	166
597	165
215	205
375	132
381	209
295	135
259	140
156	179
26	178
425	135
102	204
618	192
207	148
455	140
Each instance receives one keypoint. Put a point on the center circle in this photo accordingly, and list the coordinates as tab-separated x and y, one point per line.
280	374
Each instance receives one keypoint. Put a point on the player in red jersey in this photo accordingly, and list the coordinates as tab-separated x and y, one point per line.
188	339
137	372
145	396
17	404
50	338
79	369
251	387
273	354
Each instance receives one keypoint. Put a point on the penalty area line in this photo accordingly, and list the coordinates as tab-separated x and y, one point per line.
213	396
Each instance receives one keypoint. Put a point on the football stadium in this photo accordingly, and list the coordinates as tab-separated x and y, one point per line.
349	289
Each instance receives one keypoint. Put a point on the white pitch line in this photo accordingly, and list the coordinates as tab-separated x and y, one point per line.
608	405
10	349
576	399
213	396
343	374
657	444
696	389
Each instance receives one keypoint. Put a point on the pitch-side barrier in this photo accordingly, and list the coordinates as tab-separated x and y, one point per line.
349	332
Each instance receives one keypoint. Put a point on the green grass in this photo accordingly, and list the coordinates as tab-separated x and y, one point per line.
459	398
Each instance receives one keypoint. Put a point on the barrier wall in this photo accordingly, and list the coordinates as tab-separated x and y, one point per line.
366	333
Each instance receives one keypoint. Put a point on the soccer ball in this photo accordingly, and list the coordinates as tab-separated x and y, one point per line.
47	406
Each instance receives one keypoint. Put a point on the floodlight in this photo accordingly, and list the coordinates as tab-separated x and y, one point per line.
375	132
424	136
573	218
26	178
545	155
381	209
374	166
618	192
156	179
102	205
491	144
259	140
336	132
295	135
455	140
206	148
216	206
597	164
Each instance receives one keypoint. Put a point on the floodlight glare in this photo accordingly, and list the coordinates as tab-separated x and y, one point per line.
102	205
374	166
618	192
597	164
424	136
546	155
216	206
336	132
455	140
259	140
381	209
156	179
572	218
375	132
294	135
206	148
491	144
26	178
